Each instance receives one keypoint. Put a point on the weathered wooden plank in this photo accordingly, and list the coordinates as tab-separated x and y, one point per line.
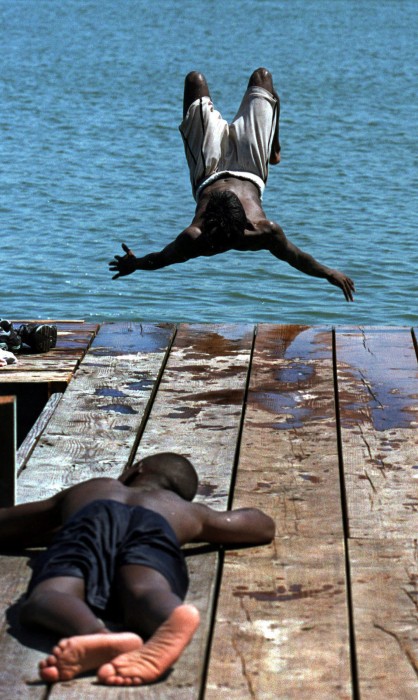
198	407
126	337
43	363
289	458
414	332
197	412
29	362
38	376
378	392
59	363
20	650
7	450
31	439
281	624
95	425
384	576
282	617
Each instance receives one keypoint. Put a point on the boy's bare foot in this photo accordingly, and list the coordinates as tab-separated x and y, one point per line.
85	652
151	661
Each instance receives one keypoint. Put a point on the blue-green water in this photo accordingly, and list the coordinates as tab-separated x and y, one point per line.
90	156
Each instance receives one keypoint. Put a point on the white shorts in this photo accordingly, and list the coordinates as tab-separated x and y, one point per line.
215	148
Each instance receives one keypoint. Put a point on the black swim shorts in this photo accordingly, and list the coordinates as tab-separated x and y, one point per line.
105	535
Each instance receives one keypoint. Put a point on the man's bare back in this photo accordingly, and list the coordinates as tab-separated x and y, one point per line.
184	517
246	191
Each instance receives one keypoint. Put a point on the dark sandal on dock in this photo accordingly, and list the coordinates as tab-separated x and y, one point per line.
39	337
10	339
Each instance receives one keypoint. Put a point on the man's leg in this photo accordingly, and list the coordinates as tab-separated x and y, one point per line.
202	129
149	608
58	605
263	78
195	86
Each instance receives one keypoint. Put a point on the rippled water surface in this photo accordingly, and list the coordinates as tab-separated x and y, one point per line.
90	156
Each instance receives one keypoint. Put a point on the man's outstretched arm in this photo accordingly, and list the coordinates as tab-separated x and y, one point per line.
183	248
283	249
241	526
29	524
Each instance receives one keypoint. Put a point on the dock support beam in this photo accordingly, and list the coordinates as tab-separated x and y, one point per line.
7	451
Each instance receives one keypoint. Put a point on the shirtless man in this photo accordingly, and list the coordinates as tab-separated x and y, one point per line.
228	170
116	546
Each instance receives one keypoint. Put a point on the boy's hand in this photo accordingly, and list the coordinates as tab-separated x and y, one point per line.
343	282
123	264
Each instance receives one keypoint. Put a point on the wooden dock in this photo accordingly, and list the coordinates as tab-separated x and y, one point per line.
318	427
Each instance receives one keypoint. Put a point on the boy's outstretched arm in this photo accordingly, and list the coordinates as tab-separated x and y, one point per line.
244	526
283	249
181	249
29	524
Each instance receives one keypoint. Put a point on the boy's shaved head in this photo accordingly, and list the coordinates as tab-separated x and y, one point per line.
175	473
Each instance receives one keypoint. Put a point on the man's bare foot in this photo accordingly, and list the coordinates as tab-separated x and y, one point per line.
275	155
151	661
85	652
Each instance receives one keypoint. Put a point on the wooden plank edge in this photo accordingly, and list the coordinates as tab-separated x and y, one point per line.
151	399
50	320
29	443
8	450
415	341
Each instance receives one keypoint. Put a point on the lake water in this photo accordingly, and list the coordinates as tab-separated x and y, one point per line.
90	156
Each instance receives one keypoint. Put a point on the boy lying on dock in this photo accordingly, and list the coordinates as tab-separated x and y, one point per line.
116	546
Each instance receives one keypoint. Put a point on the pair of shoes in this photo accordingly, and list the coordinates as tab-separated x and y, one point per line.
41	337
10	339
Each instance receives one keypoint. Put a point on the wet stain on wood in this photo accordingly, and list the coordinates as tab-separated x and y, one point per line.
118	408
283	594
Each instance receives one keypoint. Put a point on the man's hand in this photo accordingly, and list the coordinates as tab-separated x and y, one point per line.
343	282
123	264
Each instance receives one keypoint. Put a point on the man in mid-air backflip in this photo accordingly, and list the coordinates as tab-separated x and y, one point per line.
228	166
